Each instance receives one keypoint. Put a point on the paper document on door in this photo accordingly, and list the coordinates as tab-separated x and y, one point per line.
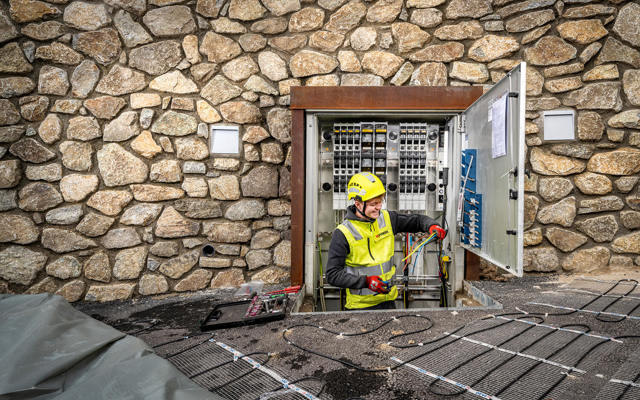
498	127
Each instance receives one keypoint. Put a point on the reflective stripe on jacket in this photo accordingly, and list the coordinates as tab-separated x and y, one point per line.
371	246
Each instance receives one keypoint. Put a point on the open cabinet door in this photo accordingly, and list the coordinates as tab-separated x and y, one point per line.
491	190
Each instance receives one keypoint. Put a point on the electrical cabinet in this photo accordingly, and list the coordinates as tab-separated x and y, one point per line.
464	168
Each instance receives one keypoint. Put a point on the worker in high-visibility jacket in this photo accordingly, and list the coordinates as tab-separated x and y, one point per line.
362	246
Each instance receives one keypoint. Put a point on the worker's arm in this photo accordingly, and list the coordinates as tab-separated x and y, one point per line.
337	274
411	223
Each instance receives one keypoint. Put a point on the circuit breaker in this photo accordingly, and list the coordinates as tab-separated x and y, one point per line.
462	168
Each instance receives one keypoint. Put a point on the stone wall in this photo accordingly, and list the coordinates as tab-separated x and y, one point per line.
108	188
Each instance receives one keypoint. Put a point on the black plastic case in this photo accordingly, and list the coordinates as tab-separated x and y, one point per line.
232	314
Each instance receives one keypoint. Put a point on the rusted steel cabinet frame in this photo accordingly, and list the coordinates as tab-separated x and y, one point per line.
390	98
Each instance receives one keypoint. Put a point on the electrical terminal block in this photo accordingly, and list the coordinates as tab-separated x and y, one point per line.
357	147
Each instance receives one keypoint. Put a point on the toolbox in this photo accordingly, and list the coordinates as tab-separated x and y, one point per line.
259	309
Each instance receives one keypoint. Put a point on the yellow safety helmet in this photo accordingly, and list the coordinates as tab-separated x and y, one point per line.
364	186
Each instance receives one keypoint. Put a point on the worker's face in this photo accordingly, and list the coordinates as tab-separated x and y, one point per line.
373	207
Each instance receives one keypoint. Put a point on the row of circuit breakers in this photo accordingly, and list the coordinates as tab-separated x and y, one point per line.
470	208
407	157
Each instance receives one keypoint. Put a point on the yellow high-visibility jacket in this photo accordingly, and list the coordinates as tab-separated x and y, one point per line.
372	245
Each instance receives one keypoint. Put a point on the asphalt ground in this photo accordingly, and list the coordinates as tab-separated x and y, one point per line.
516	352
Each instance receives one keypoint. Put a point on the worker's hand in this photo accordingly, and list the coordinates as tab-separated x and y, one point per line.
377	285
440	233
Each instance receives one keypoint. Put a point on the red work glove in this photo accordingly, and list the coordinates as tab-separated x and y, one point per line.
440	233
377	285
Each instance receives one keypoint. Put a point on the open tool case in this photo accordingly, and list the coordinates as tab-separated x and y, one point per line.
236	313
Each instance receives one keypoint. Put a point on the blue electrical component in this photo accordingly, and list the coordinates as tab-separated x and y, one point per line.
471	230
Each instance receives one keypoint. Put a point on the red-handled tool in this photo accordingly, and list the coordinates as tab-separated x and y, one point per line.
290	289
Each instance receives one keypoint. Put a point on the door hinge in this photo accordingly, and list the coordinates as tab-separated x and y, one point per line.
527	172
511	232
513	94
513	194
462	124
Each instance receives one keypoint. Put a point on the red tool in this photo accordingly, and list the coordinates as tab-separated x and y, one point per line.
290	289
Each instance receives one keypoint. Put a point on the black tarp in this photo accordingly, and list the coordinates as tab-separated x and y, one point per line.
49	350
